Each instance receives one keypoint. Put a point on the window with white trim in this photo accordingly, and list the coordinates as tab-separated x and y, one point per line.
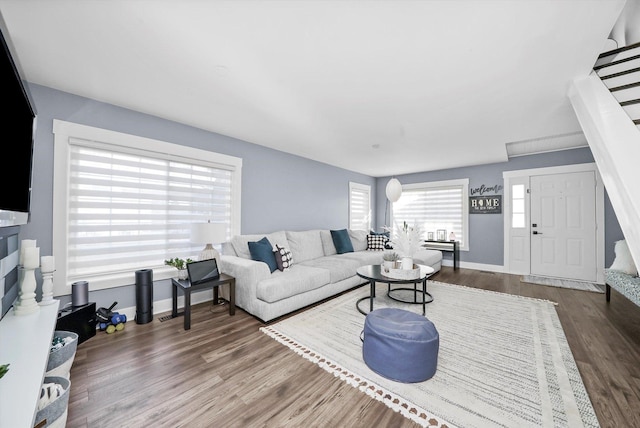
359	206
442	205
124	203
518	214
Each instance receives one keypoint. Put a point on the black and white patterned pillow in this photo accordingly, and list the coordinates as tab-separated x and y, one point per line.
376	242
283	258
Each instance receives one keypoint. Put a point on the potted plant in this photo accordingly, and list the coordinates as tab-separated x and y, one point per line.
389	259
407	240
180	264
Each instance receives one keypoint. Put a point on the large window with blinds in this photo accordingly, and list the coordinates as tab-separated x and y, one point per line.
359	206
442	205
127	203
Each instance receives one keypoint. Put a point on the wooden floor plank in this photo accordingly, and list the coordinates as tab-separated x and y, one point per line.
225	372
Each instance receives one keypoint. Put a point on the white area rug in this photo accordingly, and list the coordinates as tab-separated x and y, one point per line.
563	283
503	360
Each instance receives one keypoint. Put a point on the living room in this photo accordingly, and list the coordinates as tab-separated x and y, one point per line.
285	191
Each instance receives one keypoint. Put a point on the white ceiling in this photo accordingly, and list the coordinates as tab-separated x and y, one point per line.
378	87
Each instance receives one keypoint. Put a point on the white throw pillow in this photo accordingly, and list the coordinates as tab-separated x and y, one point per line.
623	261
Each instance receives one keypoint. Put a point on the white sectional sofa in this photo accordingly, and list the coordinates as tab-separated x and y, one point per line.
316	272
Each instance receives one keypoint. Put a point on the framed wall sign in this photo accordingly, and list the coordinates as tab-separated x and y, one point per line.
490	204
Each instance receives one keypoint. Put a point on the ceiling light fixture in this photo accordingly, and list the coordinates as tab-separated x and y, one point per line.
393	190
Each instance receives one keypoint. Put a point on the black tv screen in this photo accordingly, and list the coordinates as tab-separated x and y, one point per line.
18	126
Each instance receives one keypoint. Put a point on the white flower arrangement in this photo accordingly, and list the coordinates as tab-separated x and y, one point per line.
407	240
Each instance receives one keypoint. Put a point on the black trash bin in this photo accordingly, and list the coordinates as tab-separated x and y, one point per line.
144	296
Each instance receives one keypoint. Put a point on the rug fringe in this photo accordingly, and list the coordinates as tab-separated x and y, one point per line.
408	410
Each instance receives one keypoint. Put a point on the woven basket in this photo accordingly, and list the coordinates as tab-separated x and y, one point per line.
61	359
55	412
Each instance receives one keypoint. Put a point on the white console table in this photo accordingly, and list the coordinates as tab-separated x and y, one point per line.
25	343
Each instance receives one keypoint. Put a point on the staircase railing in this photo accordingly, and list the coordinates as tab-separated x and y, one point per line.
619	70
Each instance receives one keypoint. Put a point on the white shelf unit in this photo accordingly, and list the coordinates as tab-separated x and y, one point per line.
25	343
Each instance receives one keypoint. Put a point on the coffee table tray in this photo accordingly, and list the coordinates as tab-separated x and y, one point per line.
401	273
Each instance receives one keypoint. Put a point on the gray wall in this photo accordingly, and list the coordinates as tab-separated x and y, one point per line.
486	243
279	190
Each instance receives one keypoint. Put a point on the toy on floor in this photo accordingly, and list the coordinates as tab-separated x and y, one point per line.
110	321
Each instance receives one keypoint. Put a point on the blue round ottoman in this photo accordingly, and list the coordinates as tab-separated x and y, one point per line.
400	345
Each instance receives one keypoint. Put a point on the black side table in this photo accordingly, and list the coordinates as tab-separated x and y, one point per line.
448	246
187	289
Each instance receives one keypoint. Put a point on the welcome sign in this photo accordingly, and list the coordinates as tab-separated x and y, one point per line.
479	203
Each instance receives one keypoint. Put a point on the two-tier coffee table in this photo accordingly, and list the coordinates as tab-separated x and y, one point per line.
375	273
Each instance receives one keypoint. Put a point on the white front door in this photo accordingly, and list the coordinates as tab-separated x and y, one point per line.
563	225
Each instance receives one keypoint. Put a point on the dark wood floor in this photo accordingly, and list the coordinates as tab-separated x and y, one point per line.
224	372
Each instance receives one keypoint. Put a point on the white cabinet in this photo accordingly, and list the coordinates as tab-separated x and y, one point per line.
25	343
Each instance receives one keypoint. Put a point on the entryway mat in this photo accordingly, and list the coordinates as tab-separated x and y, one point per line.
563	283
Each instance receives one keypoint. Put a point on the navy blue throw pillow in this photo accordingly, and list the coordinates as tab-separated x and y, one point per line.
262	251
387	234
342	241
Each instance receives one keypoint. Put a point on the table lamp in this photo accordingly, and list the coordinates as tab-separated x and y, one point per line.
209	233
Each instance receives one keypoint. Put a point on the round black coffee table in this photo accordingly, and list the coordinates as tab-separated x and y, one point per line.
375	273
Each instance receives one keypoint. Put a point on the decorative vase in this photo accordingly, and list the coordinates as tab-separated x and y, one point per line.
182	274
407	263
388	264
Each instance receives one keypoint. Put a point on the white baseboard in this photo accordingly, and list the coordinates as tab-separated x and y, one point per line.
475	266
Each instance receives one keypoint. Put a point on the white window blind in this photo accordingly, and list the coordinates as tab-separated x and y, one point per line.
128	212
435	206
359	206
126	208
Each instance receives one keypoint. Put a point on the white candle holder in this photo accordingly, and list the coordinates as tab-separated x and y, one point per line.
47	288
27	297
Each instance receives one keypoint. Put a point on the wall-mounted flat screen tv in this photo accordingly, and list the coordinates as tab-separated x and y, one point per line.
18	120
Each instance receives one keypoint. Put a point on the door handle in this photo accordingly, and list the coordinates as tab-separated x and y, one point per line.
535	232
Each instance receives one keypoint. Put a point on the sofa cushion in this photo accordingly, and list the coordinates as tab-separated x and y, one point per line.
297	280
327	243
376	242
342	241
428	257
339	268
228	250
365	257
262	251
283	258
386	234
241	246
305	245
358	239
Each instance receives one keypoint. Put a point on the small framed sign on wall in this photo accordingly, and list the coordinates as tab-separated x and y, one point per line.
490	204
